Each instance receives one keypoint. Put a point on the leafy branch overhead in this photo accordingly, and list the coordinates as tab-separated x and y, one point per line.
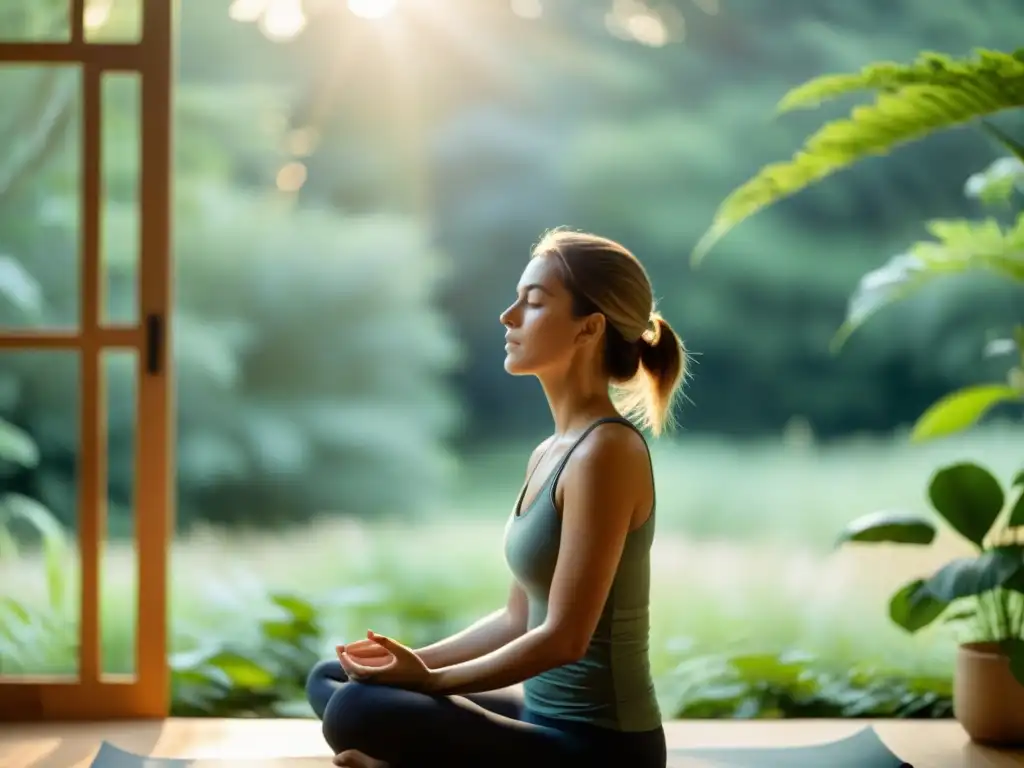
933	93
959	246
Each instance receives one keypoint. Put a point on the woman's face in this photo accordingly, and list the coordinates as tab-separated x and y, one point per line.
540	330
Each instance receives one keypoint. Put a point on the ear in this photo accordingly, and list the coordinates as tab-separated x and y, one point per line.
591	328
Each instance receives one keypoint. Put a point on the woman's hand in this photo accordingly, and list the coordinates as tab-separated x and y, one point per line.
368	653
383	661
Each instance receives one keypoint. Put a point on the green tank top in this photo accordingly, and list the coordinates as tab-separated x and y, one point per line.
611	686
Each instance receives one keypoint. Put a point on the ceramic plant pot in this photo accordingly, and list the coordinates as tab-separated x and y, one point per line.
987	700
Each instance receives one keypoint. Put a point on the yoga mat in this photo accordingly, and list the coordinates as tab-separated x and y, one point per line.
861	750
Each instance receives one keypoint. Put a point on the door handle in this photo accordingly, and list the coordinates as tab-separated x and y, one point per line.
154	343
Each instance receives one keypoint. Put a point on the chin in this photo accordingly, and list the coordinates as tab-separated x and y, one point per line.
514	366
512	369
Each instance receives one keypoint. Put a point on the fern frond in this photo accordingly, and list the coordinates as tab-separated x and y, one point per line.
893	119
928	68
958	246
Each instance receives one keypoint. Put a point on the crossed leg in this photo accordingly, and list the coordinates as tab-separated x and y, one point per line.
374	724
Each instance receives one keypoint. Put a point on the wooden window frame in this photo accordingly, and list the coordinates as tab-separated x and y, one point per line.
91	695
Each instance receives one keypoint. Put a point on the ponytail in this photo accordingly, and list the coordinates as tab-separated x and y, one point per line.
648	398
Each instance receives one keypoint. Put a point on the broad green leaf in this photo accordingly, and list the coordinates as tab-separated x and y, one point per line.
301	610
891	527
1014	649
17	446
244	672
960	410
204	674
1016	519
963	614
970	576
968	497
913	608
283	631
771	669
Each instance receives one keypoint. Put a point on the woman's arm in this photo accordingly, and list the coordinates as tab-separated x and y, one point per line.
599	497
486	635
493	631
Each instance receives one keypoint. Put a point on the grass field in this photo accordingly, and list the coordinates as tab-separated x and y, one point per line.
742	560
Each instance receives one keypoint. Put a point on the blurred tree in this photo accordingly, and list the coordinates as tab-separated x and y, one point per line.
487	127
310	359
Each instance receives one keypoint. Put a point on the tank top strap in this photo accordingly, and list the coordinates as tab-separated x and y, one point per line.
553	481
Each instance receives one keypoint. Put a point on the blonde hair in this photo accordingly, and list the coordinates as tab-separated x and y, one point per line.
645	359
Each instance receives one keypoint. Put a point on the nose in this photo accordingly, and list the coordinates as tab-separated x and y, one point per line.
506	317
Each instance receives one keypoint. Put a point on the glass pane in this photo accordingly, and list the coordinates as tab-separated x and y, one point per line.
35	21
40	171
39	564
113	21
119	564
119	230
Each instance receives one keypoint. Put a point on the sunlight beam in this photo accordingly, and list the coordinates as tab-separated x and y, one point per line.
372	9
283	20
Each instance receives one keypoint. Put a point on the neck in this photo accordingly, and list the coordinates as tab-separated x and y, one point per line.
576	398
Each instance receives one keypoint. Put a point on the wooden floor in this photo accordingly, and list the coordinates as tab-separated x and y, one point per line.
265	743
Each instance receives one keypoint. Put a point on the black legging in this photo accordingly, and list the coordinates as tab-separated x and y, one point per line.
487	730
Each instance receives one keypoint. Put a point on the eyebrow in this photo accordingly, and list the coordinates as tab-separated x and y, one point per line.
535	286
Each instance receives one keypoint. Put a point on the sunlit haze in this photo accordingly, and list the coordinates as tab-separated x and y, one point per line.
371	9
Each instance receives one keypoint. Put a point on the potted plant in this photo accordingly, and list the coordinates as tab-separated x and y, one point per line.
983	593
910	101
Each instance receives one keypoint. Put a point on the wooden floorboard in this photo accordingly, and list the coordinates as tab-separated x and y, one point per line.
267	743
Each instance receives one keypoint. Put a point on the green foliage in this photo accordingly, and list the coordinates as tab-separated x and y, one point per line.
962	409
264	677
316	383
410	580
1016	519
912	101
311	359
913	608
960	246
931	69
17	447
892	527
968	497
34	636
970	500
796	685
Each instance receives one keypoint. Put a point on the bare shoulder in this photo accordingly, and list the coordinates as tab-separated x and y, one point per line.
612	455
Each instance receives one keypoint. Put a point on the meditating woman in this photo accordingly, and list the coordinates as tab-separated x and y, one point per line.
575	628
